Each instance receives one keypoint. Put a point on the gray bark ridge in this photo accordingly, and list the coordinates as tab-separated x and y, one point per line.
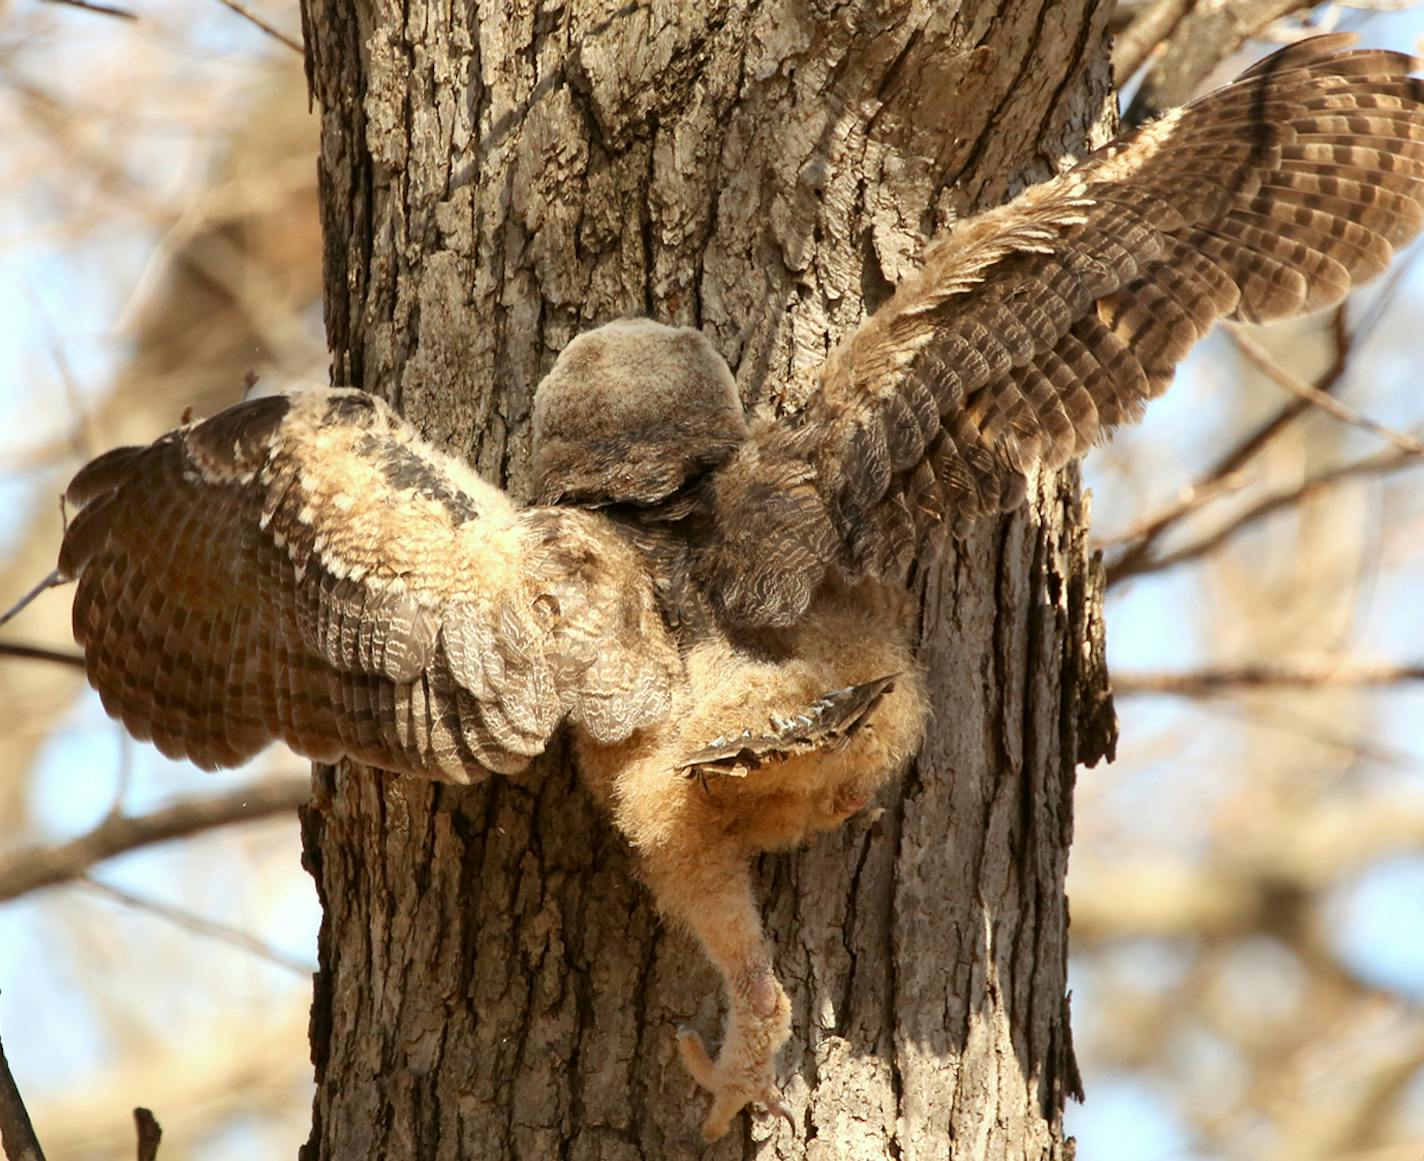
494	981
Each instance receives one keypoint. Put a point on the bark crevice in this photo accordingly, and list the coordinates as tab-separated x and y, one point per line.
492	975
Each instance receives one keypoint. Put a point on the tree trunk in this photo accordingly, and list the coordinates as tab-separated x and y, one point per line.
498	177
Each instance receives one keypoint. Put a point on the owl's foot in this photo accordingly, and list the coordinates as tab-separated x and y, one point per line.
732	1088
742	1074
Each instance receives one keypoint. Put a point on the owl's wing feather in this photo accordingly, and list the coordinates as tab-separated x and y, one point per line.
827	723
1036	328
305	568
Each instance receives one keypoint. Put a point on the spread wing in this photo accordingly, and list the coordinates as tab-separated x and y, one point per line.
1036	328
305	568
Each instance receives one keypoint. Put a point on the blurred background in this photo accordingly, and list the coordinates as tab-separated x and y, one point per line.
1247	881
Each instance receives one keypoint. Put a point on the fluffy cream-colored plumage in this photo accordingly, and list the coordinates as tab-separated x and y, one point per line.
713	606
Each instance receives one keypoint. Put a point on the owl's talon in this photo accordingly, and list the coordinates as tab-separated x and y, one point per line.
771	1105
695	1057
728	1100
741	1075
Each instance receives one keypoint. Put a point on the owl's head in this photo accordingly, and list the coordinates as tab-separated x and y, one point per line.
629	412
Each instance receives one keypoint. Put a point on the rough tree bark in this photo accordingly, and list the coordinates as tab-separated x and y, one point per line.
497	177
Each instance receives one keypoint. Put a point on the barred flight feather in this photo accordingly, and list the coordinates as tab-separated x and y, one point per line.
304	568
1038	327
702	589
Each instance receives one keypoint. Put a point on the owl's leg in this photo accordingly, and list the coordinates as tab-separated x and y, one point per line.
712	895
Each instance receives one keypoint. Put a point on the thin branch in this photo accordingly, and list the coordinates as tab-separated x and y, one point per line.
1376	465
54	580
98	9
150	1132
248	15
1278	719
1189	499
1144	36
1202	36
1230	679
29	870
200	925
1136	557
16	1132
36	653
234	1064
1258	355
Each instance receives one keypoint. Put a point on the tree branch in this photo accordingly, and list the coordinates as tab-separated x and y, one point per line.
1194	42
1143	36
16	1131
150	1132
37	653
1136	549
97	8
28	870
252	17
1240	890
1189	499
1261	358
1229	679
1376	465
202	926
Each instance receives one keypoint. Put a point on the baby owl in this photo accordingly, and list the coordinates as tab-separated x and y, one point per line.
713	605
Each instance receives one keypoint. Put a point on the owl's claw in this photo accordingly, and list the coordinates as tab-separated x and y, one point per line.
733	1083
771	1105
695	1057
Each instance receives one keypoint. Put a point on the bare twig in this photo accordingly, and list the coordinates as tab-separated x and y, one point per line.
37	653
52	581
1376	465
201	925
1189	499
29	870
226	1063
16	1131
1327	403
1230	679
248	15
1136	557
1144	36
98	9
1275	718
1196	42
149	1134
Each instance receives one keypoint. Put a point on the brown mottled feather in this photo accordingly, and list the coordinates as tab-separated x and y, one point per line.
825	723
304	568
1037	327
